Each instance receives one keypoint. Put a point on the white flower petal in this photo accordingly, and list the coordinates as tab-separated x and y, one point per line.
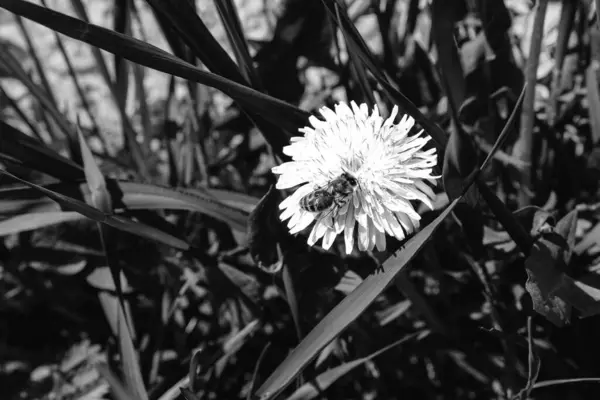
349	231
380	241
288	212
363	238
395	229
372	235
305	220
295	198
317	232
328	114
328	238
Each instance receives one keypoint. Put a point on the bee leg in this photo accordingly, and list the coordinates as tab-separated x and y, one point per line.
379	269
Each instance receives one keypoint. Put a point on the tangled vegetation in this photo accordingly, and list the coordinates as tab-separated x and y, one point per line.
143	254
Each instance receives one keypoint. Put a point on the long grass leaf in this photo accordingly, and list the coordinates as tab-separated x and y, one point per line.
183	18
565	27
356	66
9	61
312	389
233	27
337	320
115	221
346	312
119	390
224	206
131	367
15	106
121	24
523	148
35	155
102	200
362	51
36	60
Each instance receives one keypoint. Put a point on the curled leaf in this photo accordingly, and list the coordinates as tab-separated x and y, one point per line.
264	233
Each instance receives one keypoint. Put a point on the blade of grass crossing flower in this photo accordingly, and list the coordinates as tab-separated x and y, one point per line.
276	111
354	304
312	389
346	312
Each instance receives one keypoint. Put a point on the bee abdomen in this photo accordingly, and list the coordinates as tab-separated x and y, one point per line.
315	202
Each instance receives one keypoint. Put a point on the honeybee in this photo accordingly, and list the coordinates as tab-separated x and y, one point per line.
335	194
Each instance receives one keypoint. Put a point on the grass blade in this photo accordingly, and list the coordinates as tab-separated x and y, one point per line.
346	312
326	379
119	390
9	61
128	131
35	155
36	61
182	18
71	69
523	148
133	196
279	113
115	221
230	18
362	51
357	301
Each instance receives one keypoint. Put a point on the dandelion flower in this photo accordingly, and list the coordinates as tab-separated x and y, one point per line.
389	167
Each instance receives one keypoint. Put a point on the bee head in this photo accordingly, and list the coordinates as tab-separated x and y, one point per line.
350	179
